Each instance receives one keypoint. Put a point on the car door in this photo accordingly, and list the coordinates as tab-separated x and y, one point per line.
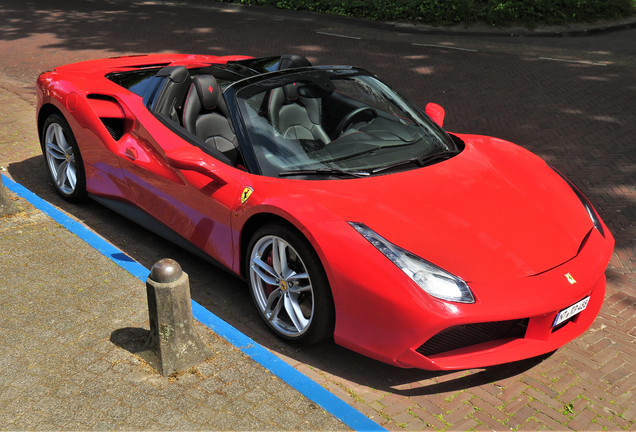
183	188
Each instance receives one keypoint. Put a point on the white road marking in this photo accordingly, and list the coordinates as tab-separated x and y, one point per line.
573	61
444	46
339	35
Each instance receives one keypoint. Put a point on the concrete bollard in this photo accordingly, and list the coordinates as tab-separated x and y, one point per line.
7	206
173	344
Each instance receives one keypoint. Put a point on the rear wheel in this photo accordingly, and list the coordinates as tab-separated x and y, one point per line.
289	285
63	158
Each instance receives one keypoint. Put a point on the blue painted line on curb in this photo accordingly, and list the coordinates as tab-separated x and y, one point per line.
312	391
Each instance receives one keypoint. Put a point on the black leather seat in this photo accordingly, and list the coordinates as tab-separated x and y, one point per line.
295	116
205	114
170	97
292	61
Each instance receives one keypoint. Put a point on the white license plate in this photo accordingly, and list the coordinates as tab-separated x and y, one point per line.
568	313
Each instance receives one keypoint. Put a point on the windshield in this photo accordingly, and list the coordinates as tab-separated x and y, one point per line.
337	121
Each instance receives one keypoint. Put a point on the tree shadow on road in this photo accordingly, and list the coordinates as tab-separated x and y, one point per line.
77	30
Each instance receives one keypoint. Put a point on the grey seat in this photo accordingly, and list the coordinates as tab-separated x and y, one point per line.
205	114
295	116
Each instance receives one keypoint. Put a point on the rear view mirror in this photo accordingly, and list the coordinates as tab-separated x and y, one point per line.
436	113
313	91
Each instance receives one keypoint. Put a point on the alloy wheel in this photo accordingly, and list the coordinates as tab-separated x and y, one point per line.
281	286
60	158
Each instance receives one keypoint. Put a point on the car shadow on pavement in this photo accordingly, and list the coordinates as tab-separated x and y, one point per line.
350	367
228	297
478	378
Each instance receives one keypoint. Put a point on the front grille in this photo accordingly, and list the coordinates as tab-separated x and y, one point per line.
564	323
466	335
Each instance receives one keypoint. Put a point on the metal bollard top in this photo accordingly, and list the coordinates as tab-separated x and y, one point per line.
165	270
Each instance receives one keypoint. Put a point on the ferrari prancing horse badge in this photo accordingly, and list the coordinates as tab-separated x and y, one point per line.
570	278
246	194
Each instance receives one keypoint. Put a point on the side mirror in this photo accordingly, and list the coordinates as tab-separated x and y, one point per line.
436	113
190	159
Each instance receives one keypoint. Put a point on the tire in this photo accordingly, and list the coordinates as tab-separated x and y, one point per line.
292	294
63	158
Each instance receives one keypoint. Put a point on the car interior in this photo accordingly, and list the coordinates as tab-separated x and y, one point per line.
192	104
306	117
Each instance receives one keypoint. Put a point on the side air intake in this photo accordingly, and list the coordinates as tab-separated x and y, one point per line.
110	113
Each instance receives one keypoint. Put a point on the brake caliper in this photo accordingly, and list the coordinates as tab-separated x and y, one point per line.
270	262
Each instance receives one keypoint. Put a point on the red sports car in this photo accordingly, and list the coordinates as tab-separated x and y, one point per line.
348	210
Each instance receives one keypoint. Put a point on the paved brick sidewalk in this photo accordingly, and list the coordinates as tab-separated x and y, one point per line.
67	313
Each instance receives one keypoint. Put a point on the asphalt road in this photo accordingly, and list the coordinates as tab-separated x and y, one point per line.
570	100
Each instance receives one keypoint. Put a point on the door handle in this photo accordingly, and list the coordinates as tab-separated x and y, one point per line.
131	153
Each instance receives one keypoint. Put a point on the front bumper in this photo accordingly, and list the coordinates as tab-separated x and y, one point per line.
382	314
539	338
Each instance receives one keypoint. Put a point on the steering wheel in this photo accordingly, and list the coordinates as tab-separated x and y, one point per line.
348	119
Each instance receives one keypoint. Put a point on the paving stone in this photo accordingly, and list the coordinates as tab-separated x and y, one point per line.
31	419
222	421
137	419
265	413
233	390
103	402
86	415
238	407
169	417
258	396
217	400
185	403
118	412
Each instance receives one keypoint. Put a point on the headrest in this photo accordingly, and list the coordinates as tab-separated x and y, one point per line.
177	74
290	61
291	92
208	90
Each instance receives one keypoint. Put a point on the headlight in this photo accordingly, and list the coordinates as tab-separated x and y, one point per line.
432	279
588	206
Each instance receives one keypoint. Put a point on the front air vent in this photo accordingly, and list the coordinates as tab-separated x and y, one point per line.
466	335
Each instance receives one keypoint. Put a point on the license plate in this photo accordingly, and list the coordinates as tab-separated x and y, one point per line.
569	312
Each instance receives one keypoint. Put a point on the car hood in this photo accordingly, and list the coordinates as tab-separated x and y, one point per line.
494	212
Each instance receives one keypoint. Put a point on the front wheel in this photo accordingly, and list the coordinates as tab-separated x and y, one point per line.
289	285
63	158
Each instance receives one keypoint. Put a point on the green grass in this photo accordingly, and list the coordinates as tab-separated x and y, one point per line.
448	12
568	409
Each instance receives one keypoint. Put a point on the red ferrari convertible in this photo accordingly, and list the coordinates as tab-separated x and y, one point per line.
348	210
